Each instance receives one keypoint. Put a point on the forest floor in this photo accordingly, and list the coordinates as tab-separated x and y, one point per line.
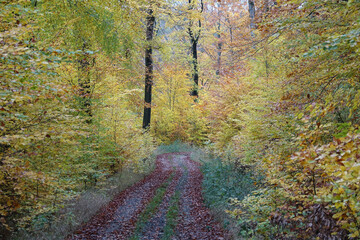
167	204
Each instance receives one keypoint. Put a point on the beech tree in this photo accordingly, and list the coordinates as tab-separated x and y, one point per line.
251	6
149	68
85	63
194	31
287	105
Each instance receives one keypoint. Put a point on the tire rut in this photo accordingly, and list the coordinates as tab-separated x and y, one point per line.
119	219
155	227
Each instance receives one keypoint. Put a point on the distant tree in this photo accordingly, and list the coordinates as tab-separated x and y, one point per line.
85	63
251	5
194	31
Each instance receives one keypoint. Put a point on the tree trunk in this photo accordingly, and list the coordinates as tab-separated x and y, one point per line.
85	83
194	39
195	74
149	68
219	44
252	15
231	39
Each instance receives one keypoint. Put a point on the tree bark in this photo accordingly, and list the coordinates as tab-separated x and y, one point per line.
251	5
219	44
195	74
194	39
85	82
149	68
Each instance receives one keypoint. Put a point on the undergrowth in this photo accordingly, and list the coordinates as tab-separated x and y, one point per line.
197	154
223	182
176	146
79	210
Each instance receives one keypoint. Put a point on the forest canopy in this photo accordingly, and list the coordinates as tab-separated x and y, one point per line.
90	88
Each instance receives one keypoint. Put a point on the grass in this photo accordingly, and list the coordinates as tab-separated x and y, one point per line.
222	182
176	146
197	154
151	208
80	210
171	216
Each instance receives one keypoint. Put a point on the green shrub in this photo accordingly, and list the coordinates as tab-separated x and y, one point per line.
224	181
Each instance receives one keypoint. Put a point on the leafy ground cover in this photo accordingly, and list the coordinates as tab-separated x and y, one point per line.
81	209
167	204
274	86
223	182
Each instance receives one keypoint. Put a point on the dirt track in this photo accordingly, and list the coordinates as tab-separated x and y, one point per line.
167	204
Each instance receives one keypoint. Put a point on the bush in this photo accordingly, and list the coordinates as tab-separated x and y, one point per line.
223	182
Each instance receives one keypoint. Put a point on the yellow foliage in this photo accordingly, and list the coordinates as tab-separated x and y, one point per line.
175	114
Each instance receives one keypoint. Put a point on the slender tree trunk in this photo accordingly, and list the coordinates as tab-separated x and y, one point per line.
195	74
251	5
149	68
231	39
219	44
194	39
85	82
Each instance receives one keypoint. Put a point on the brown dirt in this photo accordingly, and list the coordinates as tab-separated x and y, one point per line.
118	219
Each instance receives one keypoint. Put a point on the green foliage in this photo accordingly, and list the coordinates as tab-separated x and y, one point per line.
176	146
224	181
81	209
53	145
151	208
281	100
301	121
251	214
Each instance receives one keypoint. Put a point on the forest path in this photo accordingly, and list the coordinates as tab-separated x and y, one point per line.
167	204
